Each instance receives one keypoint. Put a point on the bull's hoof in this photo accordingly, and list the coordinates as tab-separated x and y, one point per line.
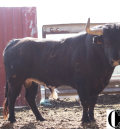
41	119
86	120
92	119
12	120
87	123
93	123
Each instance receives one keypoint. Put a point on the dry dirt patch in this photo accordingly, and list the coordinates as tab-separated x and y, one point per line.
63	114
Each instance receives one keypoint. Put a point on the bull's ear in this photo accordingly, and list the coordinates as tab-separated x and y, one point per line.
98	39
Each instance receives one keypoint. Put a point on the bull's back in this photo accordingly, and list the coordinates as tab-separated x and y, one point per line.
47	61
51	63
12	43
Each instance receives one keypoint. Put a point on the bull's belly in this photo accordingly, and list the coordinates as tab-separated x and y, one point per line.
28	83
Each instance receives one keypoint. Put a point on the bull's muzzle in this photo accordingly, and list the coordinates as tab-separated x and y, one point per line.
115	62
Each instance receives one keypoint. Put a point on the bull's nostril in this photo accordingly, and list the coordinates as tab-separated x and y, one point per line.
112	61
115	62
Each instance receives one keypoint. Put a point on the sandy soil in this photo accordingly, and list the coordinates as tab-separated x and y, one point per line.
63	113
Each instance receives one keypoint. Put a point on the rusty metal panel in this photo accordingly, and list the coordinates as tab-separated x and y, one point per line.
18	28
29	22
2	45
16	22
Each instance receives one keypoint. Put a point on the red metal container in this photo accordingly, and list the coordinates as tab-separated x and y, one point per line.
15	22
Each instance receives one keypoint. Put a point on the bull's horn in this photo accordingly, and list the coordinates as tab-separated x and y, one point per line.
98	31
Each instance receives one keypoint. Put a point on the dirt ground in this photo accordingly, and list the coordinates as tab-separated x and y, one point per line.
63	113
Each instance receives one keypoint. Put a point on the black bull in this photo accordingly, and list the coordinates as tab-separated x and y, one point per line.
84	62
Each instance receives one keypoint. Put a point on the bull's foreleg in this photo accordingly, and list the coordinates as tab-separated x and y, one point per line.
84	98
93	101
13	93
30	95
85	105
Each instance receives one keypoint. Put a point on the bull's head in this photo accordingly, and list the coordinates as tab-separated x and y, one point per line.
109	37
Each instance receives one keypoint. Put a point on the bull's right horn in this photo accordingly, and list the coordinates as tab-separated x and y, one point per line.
98	31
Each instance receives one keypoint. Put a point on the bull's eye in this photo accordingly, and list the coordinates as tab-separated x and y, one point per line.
99	42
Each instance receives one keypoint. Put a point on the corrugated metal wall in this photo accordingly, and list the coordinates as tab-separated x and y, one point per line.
15	22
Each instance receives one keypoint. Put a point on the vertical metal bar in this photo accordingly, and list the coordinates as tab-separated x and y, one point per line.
44	36
4	24
43	33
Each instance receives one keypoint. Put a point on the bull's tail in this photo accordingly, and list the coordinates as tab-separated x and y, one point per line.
5	108
5	104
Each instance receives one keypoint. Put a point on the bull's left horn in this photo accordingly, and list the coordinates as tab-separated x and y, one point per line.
98	31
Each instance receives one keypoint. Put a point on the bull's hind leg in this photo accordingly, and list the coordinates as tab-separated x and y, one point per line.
13	93
30	95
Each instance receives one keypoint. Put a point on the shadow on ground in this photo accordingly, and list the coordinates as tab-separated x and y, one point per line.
26	126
